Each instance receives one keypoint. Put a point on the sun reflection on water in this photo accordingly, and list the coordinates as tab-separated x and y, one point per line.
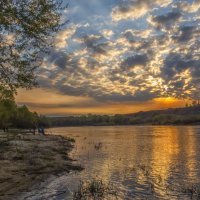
139	160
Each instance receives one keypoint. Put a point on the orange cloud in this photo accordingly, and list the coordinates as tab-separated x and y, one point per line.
51	103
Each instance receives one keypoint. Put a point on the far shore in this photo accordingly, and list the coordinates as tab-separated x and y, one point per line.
109	125
28	159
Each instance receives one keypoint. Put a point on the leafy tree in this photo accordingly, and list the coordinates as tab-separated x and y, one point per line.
25	119
27	28
13	116
8	111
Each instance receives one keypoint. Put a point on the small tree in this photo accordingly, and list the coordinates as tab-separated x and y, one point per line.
25	119
8	111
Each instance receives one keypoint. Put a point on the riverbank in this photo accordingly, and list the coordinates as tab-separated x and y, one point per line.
27	160
171	116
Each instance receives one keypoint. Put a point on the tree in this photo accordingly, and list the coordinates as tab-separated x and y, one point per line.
25	119
8	110
13	116
27	28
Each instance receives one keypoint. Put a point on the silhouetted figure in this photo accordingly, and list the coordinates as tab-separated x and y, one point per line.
41	130
5	129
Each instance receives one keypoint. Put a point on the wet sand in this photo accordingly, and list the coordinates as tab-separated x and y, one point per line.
29	160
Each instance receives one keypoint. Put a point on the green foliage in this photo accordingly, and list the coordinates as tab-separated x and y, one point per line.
25	118
164	119
189	115
27	28
13	116
8	110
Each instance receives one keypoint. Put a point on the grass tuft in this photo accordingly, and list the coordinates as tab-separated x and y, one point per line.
94	190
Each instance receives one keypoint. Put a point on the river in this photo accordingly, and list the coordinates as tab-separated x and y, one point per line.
141	162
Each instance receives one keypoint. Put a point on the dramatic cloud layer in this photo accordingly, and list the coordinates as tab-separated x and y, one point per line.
127	50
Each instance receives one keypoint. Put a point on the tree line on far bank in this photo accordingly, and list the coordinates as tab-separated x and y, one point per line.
19	117
13	116
172	116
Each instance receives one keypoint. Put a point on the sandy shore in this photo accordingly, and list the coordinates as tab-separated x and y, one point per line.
27	160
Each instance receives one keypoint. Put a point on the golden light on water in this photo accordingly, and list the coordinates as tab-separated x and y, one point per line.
191	152
165	151
134	156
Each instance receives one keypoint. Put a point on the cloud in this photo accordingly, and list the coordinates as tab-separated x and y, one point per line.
138	34
153	52
58	58
130	10
64	105
107	33
61	40
96	43
165	20
138	97
188	7
180	72
134	9
135	60
175	64
188	32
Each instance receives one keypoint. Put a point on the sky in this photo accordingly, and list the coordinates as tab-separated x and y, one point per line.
120	56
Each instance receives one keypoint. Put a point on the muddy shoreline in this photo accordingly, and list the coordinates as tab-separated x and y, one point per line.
29	160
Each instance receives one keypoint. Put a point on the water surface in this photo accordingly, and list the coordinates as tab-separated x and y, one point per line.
142	162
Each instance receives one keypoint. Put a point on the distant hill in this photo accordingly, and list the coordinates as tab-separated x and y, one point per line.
186	115
193	110
170	116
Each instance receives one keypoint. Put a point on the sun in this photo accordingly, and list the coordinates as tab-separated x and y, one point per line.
166	99
166	102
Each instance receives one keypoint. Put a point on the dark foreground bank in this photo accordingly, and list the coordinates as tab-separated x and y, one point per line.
27	159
